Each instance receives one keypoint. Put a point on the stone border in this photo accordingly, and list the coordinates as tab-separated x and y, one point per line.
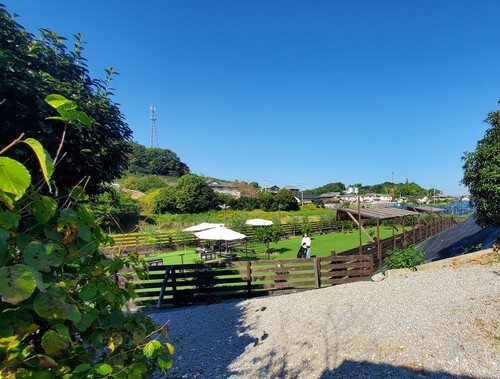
477	257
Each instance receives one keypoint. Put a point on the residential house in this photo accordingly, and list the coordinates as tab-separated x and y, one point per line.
330	197
422	199
306	199
295	190
226	188
271	189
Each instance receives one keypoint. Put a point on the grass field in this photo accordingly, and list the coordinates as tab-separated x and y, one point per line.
321	246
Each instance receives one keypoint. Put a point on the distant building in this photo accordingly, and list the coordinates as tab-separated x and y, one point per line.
422	199
226	188
307	199
330	197
271	189
295	190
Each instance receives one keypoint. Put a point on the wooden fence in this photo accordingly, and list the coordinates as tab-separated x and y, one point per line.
418	233
178	285
168	240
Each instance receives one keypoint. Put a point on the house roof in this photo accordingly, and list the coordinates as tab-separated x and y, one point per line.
307	197
377	214
330	194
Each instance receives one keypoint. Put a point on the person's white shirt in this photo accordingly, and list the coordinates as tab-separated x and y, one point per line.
306	240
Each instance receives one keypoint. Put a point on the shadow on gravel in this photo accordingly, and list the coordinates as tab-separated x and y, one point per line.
460	239
194	357
368	370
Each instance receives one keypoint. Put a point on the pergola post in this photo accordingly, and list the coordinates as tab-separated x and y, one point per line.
379	247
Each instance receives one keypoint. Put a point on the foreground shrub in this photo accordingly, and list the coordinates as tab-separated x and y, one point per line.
408	257
62	299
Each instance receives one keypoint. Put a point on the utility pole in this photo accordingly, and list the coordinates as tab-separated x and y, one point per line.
356	190
224	207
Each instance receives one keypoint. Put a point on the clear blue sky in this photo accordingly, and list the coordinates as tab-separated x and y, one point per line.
299	93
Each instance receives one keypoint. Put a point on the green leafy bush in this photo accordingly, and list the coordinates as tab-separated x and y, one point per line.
408	257
62	299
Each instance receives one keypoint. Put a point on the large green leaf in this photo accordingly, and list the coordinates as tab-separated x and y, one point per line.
67	109
9	220
49	306
59	102
44	158
104	369
84	231
17	283
14	177
44	256
54	343
44	207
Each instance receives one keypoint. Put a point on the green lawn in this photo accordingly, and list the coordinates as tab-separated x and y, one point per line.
321	246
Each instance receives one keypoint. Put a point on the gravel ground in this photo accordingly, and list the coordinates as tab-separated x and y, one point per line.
439	323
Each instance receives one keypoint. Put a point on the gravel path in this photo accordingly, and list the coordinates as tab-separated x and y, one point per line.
439	323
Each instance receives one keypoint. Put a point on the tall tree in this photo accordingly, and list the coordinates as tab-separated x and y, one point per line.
194	195
32	68
482	174
155	161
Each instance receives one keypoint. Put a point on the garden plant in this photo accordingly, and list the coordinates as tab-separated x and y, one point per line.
62	300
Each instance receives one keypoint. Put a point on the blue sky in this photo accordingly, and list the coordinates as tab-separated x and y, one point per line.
299	93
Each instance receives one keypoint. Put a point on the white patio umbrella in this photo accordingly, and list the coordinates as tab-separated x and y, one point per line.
258	222
202	226
220	233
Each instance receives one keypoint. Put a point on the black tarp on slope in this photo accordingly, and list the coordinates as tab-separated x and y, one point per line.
459	240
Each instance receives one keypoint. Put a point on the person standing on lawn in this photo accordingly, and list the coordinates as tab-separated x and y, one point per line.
307	241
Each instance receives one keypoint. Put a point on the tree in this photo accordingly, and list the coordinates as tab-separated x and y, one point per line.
330	187
287	200
267	234
155	161
482	174
194	195
165	201
114	210
267	202
32	68
143	183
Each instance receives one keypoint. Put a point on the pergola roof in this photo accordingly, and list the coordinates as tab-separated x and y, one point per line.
375	213
425	209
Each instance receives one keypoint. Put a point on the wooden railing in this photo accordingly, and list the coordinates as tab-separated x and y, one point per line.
408	237
178	285
168	240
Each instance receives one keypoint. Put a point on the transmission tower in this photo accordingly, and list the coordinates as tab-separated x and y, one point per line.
154	135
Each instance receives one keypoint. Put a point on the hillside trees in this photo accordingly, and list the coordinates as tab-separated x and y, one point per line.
155	161
330	187
191	195
32	68
286	200
482	174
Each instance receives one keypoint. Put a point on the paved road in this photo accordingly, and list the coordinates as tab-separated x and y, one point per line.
459	239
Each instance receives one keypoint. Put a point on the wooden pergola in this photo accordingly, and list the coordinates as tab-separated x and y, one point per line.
377	214
426	209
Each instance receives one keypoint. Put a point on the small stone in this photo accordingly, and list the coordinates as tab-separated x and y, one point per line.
378	277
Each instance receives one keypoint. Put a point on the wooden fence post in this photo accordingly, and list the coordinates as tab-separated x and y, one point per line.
249	278
317	272
163	287
174	286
